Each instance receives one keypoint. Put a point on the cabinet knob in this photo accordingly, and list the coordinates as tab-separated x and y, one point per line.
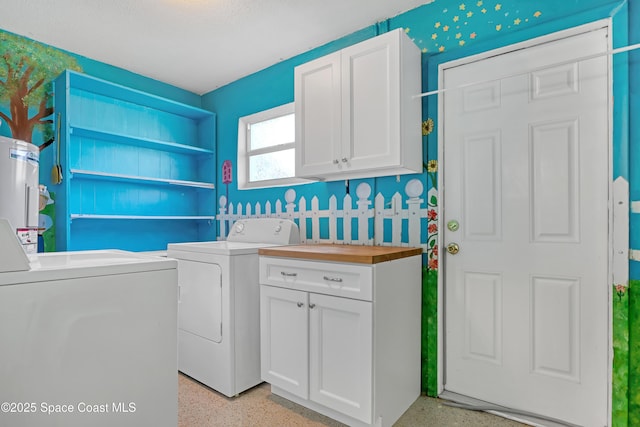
312	305
344	160
300	304
336	161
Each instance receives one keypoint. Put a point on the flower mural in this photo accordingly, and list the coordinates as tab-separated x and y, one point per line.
432	227
431	167
432	214
427	127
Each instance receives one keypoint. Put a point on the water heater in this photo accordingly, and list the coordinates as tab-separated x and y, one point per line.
19	191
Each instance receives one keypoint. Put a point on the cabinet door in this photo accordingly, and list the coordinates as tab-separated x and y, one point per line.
340	351
371	103
284	323
318	111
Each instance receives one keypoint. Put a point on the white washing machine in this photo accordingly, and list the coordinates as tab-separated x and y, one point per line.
88	338
219	303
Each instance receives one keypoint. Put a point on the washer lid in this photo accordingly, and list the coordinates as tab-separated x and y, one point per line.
52	266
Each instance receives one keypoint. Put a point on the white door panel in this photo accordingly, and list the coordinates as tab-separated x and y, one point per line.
284	342
318	114
369	125
340	347
200	299
526	175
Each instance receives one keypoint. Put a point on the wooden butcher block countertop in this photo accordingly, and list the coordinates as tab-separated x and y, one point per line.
341	253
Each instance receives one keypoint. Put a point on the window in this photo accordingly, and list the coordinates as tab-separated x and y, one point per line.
266	148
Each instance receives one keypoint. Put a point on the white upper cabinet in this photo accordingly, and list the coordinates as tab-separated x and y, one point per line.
356	116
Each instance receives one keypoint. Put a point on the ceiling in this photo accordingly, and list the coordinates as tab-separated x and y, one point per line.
197	45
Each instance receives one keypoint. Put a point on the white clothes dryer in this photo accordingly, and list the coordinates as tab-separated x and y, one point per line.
219	303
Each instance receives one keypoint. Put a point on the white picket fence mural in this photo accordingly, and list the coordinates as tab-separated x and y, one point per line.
392	213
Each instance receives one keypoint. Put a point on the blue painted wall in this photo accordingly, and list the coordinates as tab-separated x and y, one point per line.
269	88
444	30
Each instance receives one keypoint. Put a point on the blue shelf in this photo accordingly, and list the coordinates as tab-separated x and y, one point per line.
76	173
136	141
113	90
145	217
120	150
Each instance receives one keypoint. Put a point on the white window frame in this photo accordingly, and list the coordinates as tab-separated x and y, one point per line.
244	153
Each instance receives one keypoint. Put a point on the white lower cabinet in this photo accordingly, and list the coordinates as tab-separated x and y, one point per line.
318	347
322	351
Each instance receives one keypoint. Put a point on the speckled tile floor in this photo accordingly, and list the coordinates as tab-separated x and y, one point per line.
199	406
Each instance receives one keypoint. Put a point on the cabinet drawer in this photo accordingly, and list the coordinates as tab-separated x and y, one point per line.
345	280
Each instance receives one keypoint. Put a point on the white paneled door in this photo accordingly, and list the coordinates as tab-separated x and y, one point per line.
526	179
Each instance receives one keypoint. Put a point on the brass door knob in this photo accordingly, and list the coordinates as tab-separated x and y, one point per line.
453	248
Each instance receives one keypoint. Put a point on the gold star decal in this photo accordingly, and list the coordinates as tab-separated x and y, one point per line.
424	50
473	35
517	21
498	7
498	27
461	42
437	25
480	3
441	48
483	10
459	35
463	6
537	14
434	36
456	18
445	28
469	14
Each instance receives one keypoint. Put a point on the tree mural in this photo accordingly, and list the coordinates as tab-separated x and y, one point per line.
26	71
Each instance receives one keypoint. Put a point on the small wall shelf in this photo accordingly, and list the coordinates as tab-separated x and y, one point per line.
114	137
89	84
139	170
142	217
75	173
